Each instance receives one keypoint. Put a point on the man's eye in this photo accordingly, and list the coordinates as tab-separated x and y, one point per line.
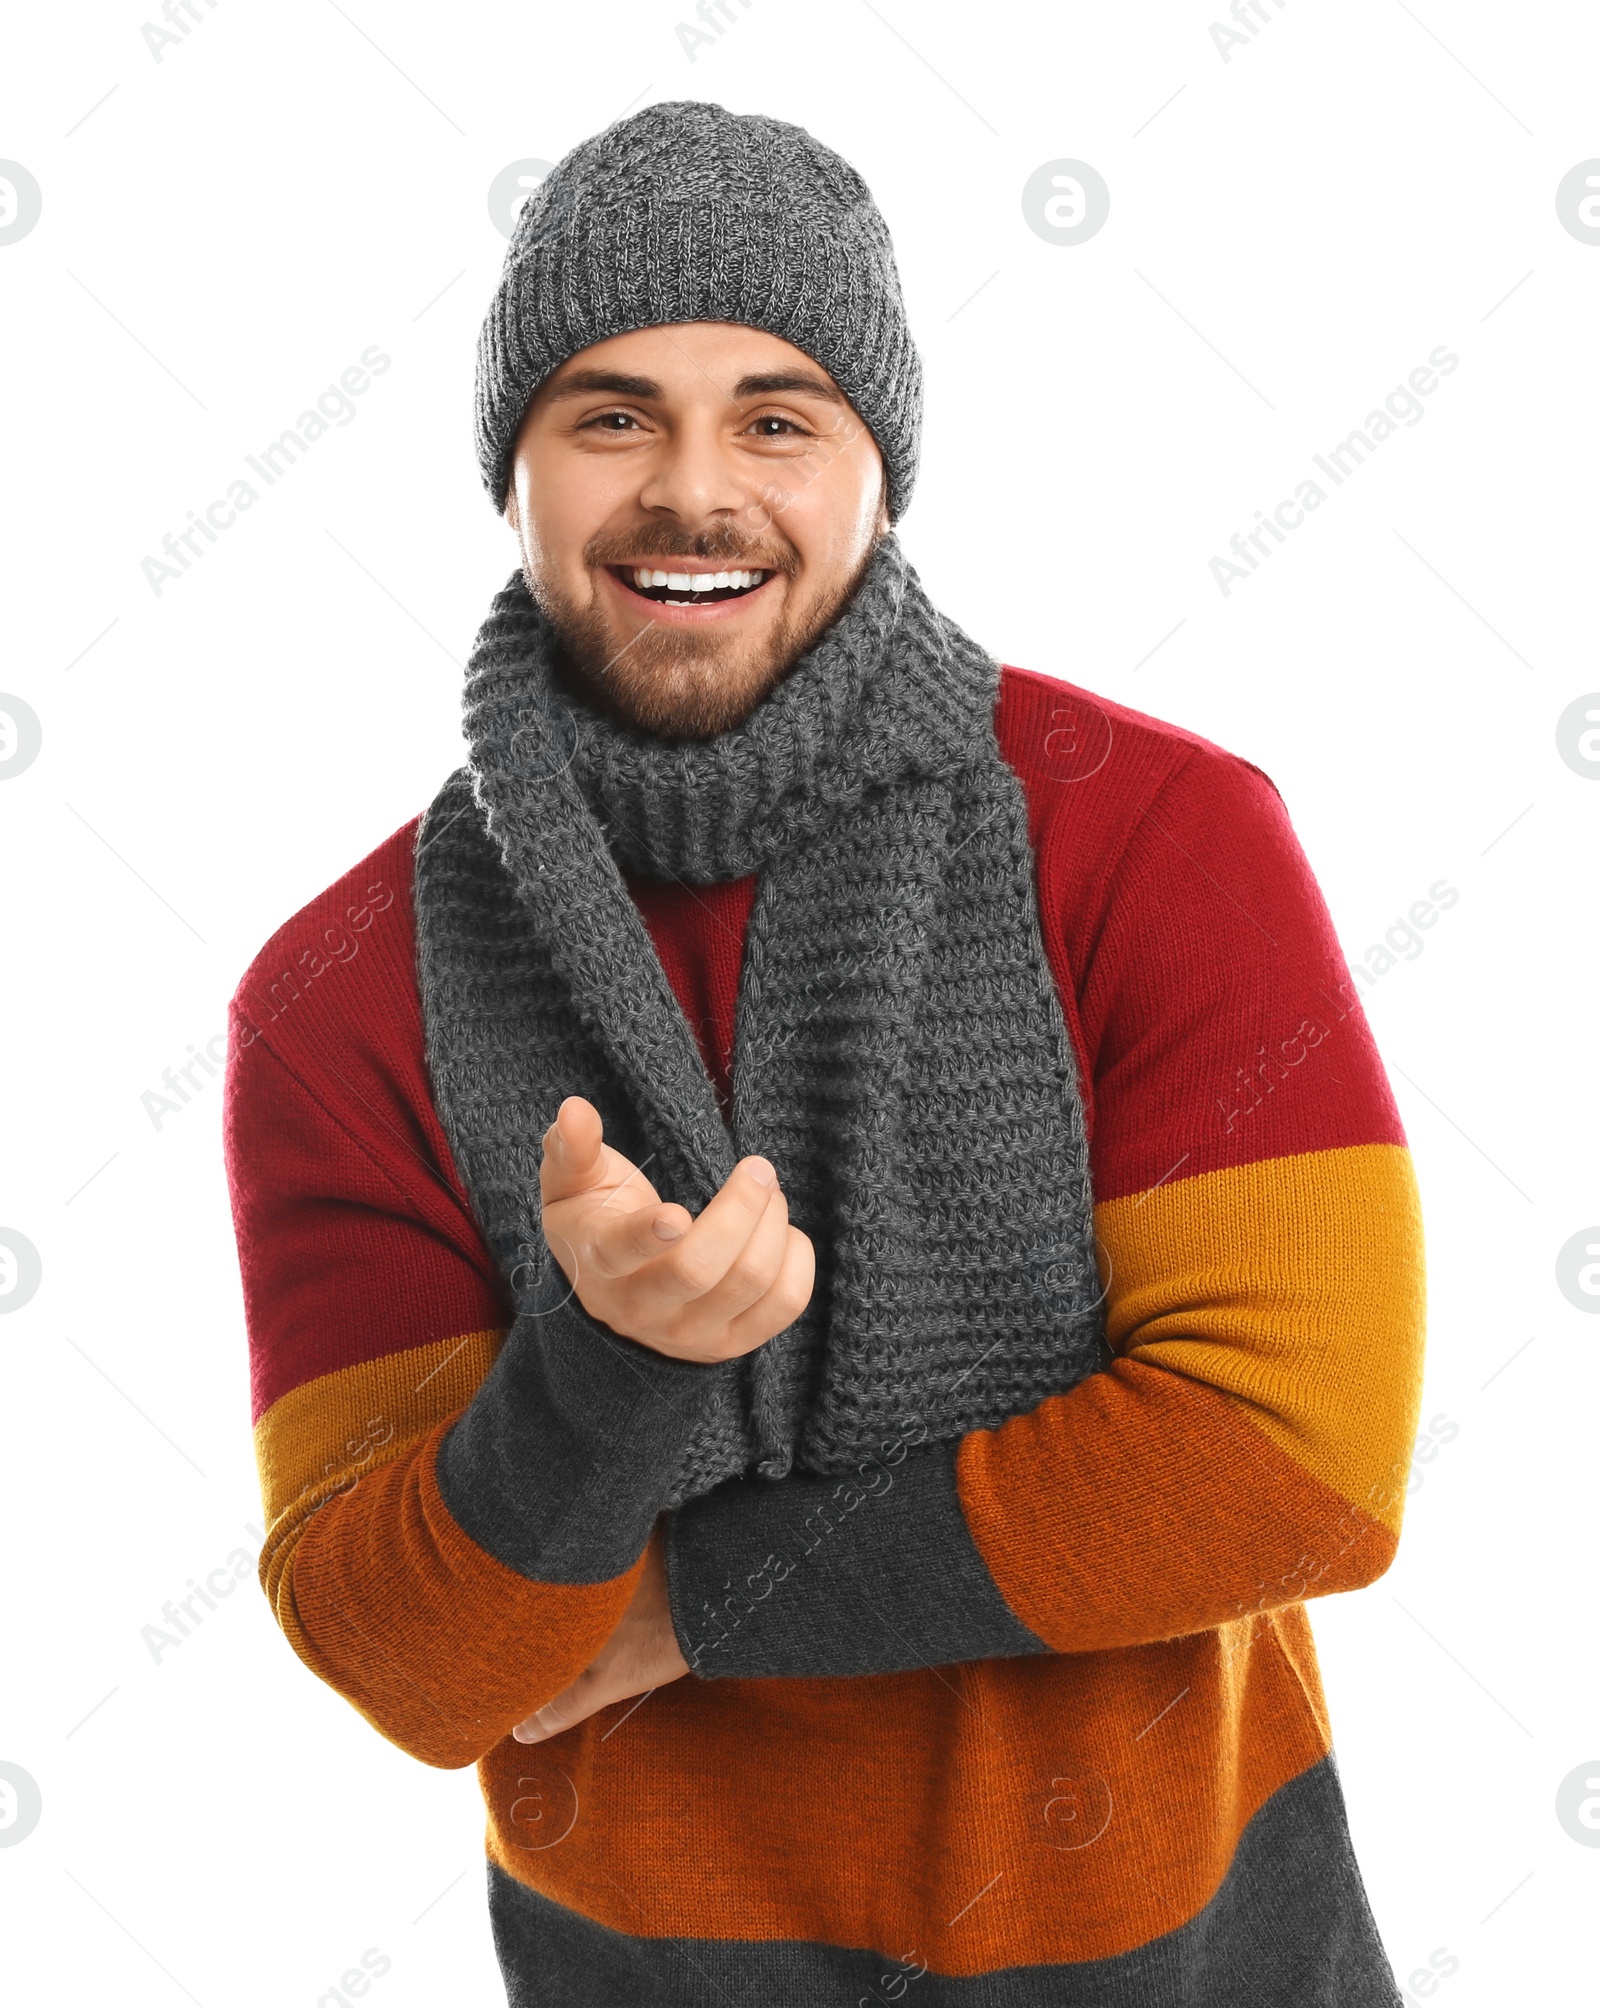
609	420
772	418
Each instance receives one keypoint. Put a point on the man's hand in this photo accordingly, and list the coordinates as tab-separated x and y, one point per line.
701	1289
640	1655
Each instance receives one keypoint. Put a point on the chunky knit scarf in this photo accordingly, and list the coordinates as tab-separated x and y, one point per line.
900	1052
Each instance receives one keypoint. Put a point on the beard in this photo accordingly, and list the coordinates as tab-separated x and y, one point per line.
683	682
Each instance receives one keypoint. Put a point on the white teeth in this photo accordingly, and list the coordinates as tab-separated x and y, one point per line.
696	582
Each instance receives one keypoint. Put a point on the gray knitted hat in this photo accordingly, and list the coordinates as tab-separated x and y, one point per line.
688	212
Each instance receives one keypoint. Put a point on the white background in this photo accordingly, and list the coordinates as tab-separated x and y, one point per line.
1291	232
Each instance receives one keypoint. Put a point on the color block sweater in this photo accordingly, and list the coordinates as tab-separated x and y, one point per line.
1031	1717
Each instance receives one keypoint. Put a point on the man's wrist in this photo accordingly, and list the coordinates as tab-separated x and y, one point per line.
559	1465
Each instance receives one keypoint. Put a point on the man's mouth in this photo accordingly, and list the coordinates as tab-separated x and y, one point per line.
688	589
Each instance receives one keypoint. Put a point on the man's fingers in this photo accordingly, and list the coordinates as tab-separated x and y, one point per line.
783	1302
752	1271
595	1688
568	1707
572	1160
652	1270
623	1241
720	1235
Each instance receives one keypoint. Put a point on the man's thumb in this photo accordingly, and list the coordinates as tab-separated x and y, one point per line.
571	1158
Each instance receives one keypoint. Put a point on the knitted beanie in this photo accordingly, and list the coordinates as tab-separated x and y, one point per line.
689	212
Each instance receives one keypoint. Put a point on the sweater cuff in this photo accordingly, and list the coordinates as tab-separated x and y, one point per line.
561	1462
809	1575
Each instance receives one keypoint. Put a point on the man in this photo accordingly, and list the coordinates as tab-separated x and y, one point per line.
829	1258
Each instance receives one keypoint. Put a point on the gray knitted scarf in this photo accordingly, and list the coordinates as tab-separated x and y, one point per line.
900	1052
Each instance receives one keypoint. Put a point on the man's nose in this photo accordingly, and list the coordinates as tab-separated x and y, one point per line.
695	475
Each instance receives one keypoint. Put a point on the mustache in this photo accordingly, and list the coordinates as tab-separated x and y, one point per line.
651	547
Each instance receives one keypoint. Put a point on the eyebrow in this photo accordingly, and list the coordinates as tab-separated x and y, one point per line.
768	383
771	382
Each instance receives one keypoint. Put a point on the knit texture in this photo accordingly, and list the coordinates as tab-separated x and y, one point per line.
901	1055
1146	1813
689	212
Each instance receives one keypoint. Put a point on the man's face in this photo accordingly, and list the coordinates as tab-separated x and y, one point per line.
694	450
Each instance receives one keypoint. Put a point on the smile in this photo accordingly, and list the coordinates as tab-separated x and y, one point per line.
686	589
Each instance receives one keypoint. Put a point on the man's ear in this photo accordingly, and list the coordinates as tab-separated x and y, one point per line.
511	510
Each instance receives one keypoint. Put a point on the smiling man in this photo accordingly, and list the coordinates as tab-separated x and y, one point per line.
829	1259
